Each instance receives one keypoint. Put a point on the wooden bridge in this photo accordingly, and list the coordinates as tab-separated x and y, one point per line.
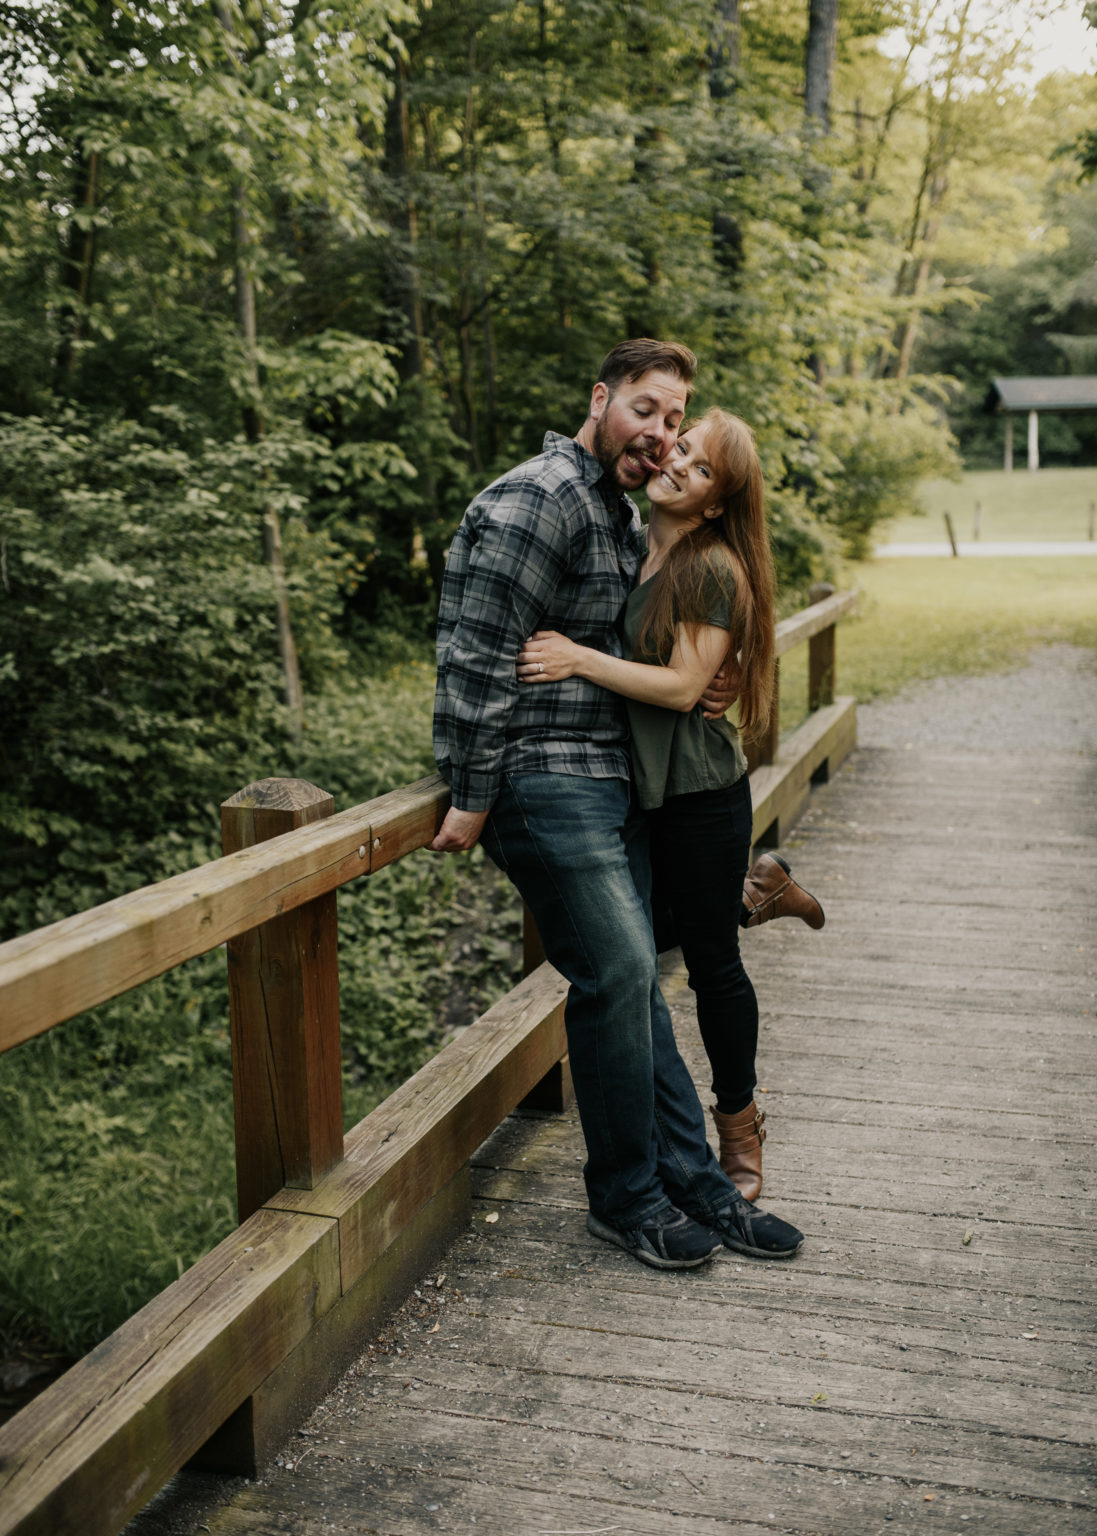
927	1360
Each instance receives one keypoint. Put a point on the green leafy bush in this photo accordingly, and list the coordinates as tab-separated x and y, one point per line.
877	453
139	674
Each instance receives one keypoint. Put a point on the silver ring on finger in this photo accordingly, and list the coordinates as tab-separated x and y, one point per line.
540	666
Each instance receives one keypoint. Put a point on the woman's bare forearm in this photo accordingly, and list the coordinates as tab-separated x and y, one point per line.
548	657
668	686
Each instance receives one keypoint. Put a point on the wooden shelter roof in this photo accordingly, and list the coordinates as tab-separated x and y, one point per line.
1070	393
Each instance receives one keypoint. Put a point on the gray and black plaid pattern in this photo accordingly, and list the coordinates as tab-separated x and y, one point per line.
549	545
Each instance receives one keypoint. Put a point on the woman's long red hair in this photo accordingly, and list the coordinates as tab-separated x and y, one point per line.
729	553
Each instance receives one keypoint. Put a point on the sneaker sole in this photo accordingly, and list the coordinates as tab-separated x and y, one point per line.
610	1234
763	1253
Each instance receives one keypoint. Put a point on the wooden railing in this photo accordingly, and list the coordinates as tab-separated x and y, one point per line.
219	1367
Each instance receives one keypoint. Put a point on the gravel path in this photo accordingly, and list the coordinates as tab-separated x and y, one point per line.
1050	703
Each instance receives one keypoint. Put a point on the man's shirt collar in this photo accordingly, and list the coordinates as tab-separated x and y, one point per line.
593	473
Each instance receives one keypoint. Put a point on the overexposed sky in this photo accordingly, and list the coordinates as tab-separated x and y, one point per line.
1065	42
1062	42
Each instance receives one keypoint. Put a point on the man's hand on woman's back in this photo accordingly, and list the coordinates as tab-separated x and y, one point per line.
722	692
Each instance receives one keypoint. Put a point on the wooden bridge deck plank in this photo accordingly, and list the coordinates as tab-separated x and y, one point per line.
932	1071
784	1433
527	1479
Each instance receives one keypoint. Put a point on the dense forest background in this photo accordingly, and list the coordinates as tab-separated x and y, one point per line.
282	284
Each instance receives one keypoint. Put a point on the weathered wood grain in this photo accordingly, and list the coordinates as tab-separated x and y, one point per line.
287	1084
465	1499
801	626
523	1479
932	1073
821	661
92	1448
912	1251
780	790
874	1444
71	965
413	1143
250	1438
868	1338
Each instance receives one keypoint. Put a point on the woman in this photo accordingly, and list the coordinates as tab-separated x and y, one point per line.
704	598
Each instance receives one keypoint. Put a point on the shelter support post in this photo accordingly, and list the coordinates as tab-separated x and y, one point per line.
1009	445
1033	440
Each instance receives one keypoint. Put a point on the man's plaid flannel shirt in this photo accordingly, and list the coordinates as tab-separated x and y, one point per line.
549	545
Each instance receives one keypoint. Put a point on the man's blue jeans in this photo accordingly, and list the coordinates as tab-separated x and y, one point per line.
579	857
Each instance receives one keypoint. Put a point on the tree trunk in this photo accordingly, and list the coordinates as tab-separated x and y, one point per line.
406	300
254	430
946	141
487	324
77	270
467	247
822	47
244	284
559	283
642	317
403	273
938	189
723	53
723	81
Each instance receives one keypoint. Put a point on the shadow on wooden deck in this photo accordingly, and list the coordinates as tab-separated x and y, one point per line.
927	1362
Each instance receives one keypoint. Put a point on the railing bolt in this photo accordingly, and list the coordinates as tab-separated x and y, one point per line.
362	851
377	842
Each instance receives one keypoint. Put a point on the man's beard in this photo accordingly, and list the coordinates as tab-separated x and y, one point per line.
610	456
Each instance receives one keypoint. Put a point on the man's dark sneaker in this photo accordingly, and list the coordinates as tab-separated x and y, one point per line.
668	1240
745	1228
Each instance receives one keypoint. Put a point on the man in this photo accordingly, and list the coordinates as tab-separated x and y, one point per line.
542	776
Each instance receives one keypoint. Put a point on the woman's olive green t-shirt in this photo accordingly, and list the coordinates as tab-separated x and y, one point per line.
674	752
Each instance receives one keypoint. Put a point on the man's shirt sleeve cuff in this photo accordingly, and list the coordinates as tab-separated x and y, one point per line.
472	791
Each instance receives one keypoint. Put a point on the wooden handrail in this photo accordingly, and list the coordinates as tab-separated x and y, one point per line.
57	972
793	631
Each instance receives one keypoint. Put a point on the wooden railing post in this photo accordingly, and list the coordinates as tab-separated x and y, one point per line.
763	749
284	1010
533	951
821	655
555	1092
821	669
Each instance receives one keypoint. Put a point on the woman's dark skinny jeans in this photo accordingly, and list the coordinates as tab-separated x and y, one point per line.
700	847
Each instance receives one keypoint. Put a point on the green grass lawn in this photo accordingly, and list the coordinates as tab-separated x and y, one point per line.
1050	504
937	616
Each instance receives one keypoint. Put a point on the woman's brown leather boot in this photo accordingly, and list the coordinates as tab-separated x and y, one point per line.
741	1138
770	891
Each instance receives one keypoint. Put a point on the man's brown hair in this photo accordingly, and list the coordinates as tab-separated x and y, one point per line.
630	360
